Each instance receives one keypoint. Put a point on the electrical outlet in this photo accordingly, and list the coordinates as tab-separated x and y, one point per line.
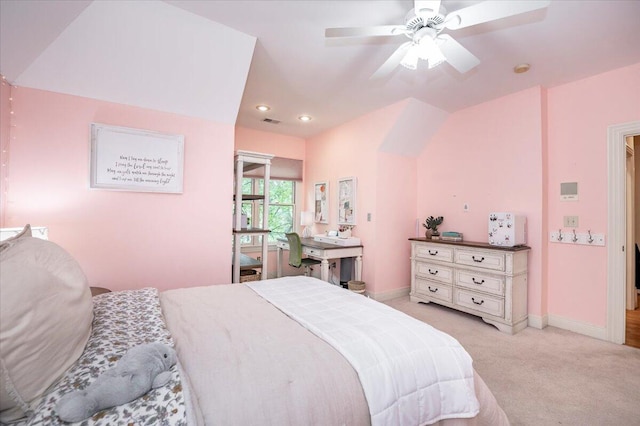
571	221
368	217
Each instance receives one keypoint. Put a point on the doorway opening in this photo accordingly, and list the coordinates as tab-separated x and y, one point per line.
617	229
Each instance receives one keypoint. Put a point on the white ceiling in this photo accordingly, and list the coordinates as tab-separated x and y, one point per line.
193	57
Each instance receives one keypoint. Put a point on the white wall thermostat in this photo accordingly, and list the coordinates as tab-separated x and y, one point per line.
507	229
569	191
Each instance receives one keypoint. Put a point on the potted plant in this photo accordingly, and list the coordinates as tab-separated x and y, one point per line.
432	223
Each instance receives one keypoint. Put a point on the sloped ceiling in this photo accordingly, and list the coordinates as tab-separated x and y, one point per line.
142	53
415	126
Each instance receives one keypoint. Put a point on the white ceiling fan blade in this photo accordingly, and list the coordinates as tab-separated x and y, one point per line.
490	11
426	8
457	55
392	62
380	30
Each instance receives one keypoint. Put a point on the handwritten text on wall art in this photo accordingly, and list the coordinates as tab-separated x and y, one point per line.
136	160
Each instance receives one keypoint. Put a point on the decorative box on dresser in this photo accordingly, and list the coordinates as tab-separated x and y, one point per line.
473	277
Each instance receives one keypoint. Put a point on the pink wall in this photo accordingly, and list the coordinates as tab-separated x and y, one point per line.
383	180
489	156
508	154
579	114
271	143
351	150
512	154
544	249
121	239
396	187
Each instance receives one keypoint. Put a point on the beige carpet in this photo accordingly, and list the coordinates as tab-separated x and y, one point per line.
545	377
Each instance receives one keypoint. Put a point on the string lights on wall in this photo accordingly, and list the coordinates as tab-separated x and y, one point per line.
5	144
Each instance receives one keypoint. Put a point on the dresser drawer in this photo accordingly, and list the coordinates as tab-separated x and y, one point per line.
479	259
310	251
481	282
434	290
491	305
434	272
434	252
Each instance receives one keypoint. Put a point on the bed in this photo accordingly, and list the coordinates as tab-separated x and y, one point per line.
289	351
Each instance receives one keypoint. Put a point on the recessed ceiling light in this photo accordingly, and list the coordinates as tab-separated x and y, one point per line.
304	118
519	69
263	108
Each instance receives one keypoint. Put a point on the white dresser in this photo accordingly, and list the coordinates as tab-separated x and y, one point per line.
477	278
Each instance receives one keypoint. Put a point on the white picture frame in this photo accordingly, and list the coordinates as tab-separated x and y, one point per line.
321	205
347	188
127	159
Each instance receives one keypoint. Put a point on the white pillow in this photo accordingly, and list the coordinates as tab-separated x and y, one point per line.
45	320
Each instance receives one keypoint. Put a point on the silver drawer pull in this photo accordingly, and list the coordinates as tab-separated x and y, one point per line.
477	260
477	282
434	253
433	290
477	303
432	272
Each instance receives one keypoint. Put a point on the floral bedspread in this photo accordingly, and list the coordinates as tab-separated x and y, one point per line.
121	320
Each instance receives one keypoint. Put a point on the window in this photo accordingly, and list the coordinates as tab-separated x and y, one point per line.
281	208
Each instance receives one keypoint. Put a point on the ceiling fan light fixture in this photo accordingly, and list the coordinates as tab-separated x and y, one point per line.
424	25
410	60
429	51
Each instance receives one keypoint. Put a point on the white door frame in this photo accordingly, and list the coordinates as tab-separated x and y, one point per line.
616	229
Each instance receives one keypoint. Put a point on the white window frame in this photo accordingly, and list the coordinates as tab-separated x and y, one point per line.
254	245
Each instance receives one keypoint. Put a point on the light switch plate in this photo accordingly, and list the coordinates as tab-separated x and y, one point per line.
571	221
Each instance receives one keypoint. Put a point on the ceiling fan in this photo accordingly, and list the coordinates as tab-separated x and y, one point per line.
424	25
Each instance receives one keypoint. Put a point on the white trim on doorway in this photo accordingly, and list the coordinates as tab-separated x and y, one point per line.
616	228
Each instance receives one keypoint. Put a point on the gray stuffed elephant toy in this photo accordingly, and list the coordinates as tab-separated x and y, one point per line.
140	369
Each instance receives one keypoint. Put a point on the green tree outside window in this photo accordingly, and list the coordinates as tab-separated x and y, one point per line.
281	208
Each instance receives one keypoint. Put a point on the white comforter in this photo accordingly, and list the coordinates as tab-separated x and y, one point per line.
411	373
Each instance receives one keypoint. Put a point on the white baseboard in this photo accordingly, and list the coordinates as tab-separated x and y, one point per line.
540	322
578	327
537	321
388	295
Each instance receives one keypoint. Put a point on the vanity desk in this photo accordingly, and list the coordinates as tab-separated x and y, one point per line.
473	277
323	252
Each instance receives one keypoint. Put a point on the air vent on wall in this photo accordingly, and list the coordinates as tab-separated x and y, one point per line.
271	120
